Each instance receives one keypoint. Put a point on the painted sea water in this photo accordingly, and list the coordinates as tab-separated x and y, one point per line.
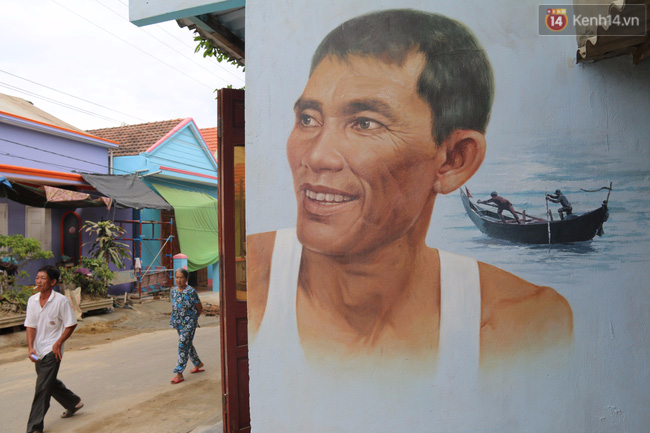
604	280
524	179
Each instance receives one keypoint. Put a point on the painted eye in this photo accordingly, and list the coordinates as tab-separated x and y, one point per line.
307	121
367	124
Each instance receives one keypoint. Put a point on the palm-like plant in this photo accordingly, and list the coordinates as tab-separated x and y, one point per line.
106	247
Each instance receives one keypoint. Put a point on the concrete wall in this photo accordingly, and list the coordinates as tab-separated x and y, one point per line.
554	124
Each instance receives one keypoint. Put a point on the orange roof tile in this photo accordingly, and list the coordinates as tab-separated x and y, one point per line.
135	139
240	179
211	137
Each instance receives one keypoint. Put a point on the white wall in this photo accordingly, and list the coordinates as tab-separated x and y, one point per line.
554	124
541	94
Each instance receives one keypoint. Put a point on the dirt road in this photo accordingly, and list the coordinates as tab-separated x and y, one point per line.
120	364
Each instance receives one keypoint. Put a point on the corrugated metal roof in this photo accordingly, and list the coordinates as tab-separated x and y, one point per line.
603	43
224	29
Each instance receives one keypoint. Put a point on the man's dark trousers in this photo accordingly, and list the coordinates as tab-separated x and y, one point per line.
47	385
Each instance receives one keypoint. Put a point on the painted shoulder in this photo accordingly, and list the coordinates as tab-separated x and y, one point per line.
258	267
518	317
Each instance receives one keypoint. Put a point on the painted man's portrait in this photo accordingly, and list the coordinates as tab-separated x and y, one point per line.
393	115
388	121
374	301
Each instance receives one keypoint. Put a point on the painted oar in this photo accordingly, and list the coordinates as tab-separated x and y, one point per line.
548	219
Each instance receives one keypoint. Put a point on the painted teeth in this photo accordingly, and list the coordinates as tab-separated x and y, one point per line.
327	198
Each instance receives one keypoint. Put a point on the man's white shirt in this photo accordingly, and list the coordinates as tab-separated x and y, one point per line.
49	321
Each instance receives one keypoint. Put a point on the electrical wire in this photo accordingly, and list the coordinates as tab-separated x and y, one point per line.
39	161
172	48
215	61
105	166
134	46
62	104
23	91
67	94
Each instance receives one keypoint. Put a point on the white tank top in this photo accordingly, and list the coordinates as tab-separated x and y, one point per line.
287	394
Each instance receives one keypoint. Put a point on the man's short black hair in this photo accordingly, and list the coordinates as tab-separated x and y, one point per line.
52	272
456	81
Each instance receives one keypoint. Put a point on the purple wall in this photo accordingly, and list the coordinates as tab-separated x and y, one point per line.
16	226
27	148
47	148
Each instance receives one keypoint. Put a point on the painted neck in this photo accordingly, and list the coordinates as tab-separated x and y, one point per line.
364	290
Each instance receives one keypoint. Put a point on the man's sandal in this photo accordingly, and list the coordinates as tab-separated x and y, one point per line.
176	380
69	412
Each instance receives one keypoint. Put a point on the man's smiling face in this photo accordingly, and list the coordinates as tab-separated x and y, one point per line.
362	154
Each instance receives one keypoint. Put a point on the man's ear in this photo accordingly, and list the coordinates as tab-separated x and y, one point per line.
464	150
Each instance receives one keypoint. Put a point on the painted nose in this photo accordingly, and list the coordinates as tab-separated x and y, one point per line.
323	152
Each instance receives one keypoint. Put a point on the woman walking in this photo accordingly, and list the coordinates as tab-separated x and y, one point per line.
186	309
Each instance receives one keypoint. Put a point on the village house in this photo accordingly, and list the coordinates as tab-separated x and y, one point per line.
42	193
172	158
574	102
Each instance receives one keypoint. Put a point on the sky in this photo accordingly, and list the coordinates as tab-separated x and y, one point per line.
85	63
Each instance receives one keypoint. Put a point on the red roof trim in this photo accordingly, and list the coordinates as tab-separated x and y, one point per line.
40	172
57	127
170	133
178	170
38	177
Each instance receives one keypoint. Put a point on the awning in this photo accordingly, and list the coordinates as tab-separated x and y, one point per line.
49	196
128	191
197	222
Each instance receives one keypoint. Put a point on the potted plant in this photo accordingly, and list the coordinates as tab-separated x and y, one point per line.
106	245
92	276
15	252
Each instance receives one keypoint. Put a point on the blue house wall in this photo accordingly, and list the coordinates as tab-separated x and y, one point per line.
179	160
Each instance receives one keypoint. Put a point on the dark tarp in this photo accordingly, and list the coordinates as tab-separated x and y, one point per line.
38	197
128	191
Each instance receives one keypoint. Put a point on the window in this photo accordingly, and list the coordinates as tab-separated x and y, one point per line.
38	225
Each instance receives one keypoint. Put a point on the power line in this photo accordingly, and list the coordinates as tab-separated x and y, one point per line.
72	96
48	151
75	170
49	163
214	61
174	49
134	46
88	112
54	101
72	157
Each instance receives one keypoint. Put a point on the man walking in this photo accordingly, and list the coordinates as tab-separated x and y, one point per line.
49	323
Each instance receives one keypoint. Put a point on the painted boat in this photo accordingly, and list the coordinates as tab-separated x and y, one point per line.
532	230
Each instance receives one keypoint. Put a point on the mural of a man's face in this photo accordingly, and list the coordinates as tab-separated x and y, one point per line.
362	155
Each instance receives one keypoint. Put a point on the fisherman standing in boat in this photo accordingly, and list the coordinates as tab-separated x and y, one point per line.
502	204
558	197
